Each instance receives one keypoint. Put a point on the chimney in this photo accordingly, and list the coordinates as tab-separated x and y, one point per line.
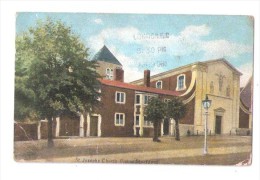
119	74
147	78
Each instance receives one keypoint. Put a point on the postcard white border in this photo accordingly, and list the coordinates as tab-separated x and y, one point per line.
12	170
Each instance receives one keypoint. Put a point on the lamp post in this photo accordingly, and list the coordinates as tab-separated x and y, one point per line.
206	104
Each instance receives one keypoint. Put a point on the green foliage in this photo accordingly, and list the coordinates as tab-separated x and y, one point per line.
155	110
175	109
24	96
52	72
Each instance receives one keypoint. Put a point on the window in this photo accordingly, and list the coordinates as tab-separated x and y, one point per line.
181	82
166	100
146	99
109	73
159	84
147	123
137	120
120	97
137	99
99	98
119	119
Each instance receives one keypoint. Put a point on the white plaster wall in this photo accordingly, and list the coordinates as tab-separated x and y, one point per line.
183	129
219	99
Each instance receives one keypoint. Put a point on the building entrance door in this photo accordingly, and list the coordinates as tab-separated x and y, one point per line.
218	124
93	126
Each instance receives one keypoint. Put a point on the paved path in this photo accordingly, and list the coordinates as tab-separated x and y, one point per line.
148	156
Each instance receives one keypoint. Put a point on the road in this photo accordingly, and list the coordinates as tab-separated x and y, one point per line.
223	150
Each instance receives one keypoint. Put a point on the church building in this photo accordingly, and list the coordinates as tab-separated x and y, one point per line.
121	109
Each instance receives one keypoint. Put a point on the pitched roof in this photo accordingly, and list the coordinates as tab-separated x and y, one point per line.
138	88
225	62
246	94
190	65
105	55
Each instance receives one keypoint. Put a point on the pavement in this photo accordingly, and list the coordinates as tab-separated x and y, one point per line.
224	150
147	157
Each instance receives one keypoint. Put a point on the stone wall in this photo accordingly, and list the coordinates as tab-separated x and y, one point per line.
243	132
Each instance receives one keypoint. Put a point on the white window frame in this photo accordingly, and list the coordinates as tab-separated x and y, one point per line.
119	102
166	100
109	73
139	120
184	82
136	99
116	124
149	96
147	99
147	123
99	98
157	85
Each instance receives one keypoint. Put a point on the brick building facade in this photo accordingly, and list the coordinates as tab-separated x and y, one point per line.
121	109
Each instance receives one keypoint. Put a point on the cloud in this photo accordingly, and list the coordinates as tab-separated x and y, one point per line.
224	48
191	41
195	31
247	70
123	35
98	21
187	42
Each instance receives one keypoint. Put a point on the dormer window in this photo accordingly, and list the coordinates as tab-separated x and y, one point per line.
159	84
181	85
109	73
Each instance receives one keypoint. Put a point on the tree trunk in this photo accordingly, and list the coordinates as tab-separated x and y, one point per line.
155	126
177	137
50	136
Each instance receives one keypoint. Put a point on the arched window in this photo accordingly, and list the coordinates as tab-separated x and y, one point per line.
159	84
181	82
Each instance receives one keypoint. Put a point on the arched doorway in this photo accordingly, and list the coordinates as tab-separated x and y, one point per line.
219	114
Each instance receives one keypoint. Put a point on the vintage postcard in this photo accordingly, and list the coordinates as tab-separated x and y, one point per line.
134	88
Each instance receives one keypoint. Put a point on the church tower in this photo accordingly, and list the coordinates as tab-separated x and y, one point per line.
107	62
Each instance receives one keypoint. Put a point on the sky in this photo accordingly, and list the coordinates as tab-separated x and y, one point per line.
159	42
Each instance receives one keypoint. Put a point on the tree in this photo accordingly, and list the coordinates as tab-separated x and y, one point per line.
176	109
57	72
24	97
155	112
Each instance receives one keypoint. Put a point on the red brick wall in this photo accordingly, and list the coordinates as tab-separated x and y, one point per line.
189	116
25	131
109	107
170	83
243	119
